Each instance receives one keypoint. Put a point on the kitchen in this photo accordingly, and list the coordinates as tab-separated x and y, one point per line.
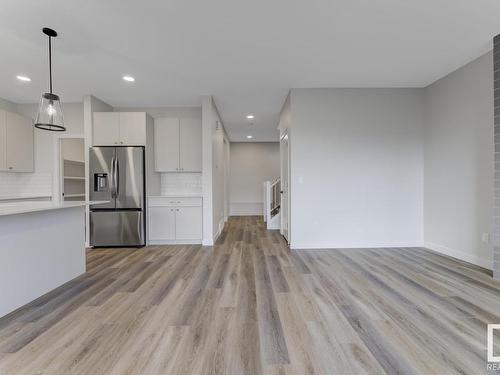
86	174
166	188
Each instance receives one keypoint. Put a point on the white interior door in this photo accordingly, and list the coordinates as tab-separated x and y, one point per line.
285	179
3	141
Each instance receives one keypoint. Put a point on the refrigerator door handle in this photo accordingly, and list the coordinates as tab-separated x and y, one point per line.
117	177
113	178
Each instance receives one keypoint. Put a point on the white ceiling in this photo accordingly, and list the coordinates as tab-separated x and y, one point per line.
247	54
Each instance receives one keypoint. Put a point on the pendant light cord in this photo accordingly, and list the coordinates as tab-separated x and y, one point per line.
50	64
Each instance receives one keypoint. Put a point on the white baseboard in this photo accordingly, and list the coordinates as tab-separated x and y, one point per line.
174	242
212	241
246	208
360	245
474	259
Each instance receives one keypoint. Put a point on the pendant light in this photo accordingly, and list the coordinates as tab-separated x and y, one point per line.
50	116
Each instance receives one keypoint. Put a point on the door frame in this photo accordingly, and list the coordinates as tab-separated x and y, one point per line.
285	139
57	177
227	172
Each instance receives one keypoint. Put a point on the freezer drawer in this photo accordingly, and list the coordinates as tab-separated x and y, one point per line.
117	228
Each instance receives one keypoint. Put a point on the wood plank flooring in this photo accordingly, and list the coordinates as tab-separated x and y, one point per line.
250	306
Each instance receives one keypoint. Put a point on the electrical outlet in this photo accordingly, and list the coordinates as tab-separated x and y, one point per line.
486	238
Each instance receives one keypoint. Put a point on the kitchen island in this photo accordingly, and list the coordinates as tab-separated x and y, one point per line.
42	246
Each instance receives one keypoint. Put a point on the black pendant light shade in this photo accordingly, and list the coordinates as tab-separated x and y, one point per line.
50	116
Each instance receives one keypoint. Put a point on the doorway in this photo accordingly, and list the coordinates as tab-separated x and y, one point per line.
285	191
72	167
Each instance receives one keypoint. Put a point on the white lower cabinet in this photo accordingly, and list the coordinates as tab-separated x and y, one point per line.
188	223
174	220
161	223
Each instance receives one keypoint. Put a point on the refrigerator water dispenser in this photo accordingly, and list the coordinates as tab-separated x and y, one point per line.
100	182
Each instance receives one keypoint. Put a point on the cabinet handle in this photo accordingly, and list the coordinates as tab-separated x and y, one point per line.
121	142
11	168
178	202
172	209
177	209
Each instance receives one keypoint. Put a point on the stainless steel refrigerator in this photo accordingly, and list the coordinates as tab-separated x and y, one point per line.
117	175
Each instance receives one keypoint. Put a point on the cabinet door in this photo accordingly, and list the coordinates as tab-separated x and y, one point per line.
161	223
166	147
133	128
19	143
106	129
190	145
188	223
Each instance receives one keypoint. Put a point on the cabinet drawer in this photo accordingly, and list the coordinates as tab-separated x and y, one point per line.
175	201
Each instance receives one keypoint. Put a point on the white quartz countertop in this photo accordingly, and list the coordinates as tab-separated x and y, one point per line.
15	208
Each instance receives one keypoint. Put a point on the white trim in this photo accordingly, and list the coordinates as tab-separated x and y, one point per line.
470	258
359	245
208	242
174	242
219	231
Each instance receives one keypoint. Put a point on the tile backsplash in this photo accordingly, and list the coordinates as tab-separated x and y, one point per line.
180	183
25	185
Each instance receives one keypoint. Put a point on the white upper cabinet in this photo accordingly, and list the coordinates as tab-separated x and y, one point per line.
166	145
106	128
178	145
190	145
119	129
16	143
133	128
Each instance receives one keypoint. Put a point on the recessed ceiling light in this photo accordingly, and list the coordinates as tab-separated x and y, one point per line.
128	78
24	78
249	136
250	117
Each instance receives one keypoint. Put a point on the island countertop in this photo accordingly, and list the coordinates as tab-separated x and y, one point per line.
16	208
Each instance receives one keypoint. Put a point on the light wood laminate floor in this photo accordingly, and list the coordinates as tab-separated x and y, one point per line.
250	306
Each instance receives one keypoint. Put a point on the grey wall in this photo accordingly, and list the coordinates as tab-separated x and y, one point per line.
396	167
356	167
252	163
458	191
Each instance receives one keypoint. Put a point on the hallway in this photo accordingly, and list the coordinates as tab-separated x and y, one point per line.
251	306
